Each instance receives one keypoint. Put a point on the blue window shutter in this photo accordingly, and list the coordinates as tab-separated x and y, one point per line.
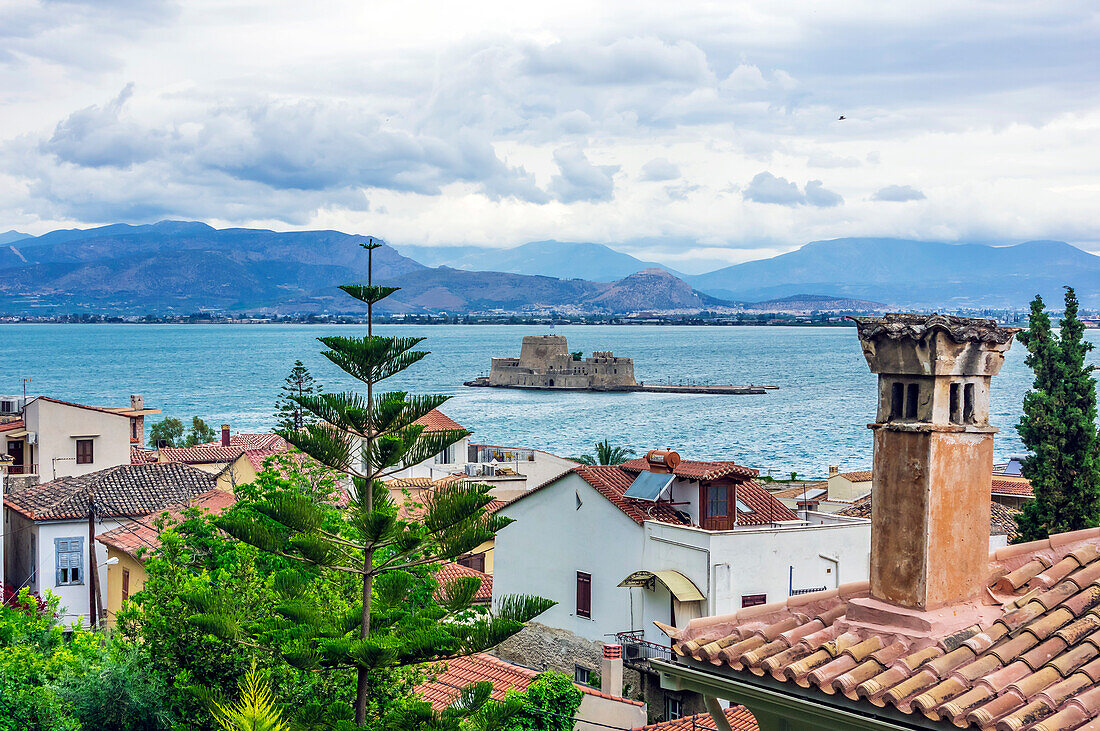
60	546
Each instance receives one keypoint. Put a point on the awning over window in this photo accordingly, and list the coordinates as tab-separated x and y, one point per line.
17	434
679	585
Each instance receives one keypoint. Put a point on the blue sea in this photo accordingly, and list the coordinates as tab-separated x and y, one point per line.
232	374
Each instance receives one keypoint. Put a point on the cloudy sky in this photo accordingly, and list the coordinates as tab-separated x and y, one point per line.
697	133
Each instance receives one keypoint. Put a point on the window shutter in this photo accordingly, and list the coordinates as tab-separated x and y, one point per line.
584	594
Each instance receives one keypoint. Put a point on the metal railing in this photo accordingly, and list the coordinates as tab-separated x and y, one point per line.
811	590
637	650
23	469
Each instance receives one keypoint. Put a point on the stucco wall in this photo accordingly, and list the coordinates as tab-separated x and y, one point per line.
430	468
74	598
57	424
552	539
604	712
112	594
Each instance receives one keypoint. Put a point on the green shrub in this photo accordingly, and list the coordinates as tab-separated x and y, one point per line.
26	706
121	693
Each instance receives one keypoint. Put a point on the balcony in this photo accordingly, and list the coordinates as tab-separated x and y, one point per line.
637	652
23	469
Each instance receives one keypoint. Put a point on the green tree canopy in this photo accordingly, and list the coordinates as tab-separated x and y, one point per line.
290	415
395	621
170	430
1059	427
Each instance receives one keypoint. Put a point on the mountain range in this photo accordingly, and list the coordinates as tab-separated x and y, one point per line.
181	267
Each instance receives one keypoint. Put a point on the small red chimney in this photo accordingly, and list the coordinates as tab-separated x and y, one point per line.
611	671
225	435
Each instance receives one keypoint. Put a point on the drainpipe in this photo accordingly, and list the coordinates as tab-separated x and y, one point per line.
716	713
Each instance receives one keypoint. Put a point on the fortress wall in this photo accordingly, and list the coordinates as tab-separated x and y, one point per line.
537	350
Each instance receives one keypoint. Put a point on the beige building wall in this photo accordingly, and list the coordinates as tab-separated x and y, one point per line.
128	568
841	488
597	713
58	426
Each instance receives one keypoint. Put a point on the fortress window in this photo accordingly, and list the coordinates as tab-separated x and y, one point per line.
968	403
897	396
956	409
911	395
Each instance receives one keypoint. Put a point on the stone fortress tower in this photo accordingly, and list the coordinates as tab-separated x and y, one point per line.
933	455
545	362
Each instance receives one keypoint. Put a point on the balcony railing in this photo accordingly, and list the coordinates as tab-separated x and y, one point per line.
23	469
636	650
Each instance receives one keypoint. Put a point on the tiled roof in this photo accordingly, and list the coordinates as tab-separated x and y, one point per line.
1002	519
812	492
122	491
131	536
82	406
860	476
611	482
11	425
738	717
1021	488
214	452
251	441
693	470
449	571
1032	663
504	676
142	456
436	420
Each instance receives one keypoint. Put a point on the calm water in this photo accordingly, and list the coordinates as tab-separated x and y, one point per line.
231	374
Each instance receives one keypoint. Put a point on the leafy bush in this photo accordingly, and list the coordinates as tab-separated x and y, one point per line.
24	706
121	693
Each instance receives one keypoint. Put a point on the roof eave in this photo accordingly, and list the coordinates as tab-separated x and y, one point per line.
770	700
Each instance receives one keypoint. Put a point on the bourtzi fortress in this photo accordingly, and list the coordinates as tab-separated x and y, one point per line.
545	362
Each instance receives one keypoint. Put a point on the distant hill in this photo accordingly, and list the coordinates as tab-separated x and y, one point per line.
815	303
9	237
561	259
182	267
904	273
641	290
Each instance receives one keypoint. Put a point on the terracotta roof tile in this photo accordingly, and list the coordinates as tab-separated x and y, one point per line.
251	441
812	492
131	536
859	476
460	672
1020	487
1035	658
436	420
738	717
142	456
693	470
125	490
449	571
11	425
215	453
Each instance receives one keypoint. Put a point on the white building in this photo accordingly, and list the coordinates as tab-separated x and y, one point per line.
55	438
46	531
620	547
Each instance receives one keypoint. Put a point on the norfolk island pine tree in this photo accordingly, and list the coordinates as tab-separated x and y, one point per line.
368	439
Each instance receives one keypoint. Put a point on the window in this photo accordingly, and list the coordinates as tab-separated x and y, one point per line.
133	429
674	709
742	508
584	595
968	403
911	395
956	412
83	451
125	584
717	501
69	554
447	456
581	674
475	561
752	600
897	396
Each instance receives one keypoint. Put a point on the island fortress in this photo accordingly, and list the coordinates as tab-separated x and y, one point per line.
545	362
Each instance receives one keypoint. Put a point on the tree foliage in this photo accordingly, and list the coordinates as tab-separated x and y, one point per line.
606	454
171	431
393	621
290	415
1059	427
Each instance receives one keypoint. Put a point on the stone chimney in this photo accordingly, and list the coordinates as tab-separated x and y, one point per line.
136	402
225	435
933	455
611	671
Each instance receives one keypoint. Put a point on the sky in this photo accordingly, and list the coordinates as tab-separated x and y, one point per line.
695	133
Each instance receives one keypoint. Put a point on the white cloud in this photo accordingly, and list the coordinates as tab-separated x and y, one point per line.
898	194
494	122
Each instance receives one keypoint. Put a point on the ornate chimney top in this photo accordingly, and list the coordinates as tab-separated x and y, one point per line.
897	326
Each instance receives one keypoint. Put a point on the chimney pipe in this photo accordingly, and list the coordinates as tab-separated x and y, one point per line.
611	671
933	455
225	435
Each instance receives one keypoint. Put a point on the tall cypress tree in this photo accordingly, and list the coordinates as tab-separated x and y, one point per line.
368	438
1059	427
